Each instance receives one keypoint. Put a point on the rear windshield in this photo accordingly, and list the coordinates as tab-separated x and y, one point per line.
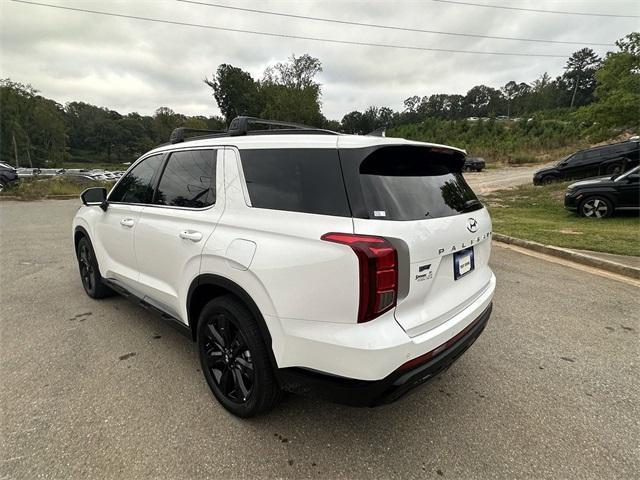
400	183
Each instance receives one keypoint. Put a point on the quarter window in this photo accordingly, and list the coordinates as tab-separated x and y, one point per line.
296	180
188	180
137	185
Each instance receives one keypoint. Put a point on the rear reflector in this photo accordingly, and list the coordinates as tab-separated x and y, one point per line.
378	272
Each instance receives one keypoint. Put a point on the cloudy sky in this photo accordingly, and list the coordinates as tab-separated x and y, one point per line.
134	65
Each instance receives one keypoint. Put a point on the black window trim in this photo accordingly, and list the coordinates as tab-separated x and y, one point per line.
163	166
166	154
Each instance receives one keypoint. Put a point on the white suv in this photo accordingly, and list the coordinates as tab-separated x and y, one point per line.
348	267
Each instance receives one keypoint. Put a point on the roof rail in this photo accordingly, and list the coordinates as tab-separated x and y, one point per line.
240	126
178	134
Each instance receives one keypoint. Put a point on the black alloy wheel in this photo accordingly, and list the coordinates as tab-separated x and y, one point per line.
228	358
235	359
89	271
596	207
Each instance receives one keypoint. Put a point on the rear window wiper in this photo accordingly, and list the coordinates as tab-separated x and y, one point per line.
471	205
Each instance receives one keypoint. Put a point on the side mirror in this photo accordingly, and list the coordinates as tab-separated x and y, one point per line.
95	196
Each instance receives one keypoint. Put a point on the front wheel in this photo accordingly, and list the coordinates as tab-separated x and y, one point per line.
89	271
548	180
2	186
596	207
234	358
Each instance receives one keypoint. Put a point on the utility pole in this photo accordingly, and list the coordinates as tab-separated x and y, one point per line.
573	97
15	150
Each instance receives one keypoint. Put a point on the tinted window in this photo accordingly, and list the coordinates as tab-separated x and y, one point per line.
576	158
400	183
598	153
137	185
297	180
188	180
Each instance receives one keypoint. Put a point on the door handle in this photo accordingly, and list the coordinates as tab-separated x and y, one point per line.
127	222
192	235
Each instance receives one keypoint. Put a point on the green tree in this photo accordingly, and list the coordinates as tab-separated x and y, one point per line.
32	128
235	91
290	93
580	76
618	86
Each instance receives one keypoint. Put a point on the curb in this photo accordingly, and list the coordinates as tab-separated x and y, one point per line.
614	267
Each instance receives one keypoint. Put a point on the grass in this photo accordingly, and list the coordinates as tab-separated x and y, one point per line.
34	188
537	213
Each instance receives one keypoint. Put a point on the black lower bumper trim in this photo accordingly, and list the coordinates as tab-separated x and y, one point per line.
363	393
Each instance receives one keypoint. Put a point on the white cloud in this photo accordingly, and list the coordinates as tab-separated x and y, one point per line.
132	65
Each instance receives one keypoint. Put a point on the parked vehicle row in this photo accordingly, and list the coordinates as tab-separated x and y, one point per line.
88	174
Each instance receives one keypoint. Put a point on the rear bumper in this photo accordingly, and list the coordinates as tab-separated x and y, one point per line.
365	393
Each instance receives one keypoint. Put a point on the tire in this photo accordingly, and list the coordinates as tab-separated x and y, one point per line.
89	272
614	169
596	207
234	358
548	180
2	186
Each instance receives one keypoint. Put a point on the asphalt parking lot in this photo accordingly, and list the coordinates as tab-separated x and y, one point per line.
104	389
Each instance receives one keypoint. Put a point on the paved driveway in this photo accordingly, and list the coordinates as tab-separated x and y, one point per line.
104	389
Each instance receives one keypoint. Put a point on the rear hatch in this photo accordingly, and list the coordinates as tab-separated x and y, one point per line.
417	198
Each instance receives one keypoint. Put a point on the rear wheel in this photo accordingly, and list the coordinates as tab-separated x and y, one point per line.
596	207
2	186
89	271
234	358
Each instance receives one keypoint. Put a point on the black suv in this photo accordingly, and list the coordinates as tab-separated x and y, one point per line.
8	174
604	160
599	197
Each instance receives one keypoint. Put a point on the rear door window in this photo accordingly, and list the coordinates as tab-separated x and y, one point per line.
188	180
296	180
409	183
137	185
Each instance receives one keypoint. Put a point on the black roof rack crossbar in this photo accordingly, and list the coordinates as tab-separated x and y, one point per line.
178	134
240	126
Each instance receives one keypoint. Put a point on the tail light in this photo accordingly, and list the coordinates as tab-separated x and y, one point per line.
378	266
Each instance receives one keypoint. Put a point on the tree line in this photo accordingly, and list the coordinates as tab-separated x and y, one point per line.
591	93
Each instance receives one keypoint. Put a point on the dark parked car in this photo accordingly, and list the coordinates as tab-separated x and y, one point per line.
603	160
8	174
600	197
474	163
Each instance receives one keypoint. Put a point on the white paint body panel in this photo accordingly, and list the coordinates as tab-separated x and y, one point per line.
306	289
